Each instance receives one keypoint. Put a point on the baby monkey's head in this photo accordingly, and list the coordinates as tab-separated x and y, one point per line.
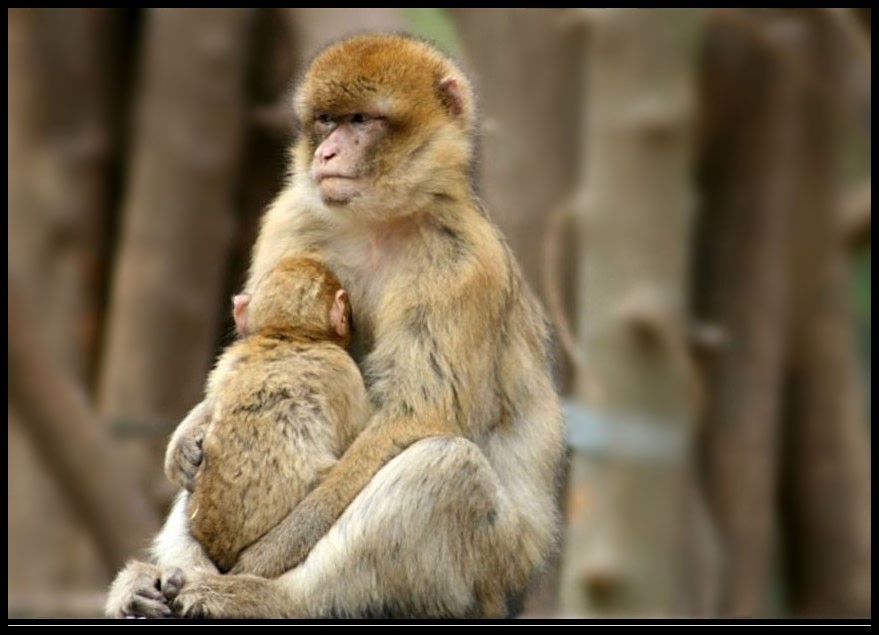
300	296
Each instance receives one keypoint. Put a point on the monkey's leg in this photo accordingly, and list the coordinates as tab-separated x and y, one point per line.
175	545
136	590
433	534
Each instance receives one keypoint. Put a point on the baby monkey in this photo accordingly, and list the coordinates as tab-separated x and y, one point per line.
282	405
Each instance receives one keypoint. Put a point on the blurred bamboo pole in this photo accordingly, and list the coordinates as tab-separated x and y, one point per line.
78	451
749	176
624	554
827	491
314	28
62	142
177	220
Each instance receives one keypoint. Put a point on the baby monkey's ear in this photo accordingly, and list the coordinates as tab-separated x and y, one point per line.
339	314
239	312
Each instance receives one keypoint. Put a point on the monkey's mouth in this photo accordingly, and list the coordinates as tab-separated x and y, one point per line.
320	177
339	189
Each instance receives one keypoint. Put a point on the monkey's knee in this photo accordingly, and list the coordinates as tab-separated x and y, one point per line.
458	493
445	454
478	524
455	470
433	534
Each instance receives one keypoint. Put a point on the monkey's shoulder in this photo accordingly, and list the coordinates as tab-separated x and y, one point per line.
279	411
257	376
258	353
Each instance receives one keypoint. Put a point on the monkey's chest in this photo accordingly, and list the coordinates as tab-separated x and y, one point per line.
371	269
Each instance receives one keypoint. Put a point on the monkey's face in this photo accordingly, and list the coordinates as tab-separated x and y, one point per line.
385	123
342	166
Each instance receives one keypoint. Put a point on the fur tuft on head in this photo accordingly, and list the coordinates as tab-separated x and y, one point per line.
427	109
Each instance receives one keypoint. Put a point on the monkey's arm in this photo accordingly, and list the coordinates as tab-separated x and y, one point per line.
184	453
289	542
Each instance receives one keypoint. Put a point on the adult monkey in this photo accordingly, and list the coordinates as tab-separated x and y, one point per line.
446	505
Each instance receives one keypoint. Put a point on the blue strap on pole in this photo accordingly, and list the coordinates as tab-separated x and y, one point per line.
625	435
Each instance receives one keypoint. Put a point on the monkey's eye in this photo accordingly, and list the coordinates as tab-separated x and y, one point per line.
359	117
324	123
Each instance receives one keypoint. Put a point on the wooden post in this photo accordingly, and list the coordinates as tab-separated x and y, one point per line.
177	217
78	452
827	493
629	475
61	144
749	175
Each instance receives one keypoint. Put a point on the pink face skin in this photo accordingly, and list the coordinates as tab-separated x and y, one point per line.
338	313
340	165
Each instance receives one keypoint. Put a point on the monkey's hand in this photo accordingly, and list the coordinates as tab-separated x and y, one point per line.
184	454
136	592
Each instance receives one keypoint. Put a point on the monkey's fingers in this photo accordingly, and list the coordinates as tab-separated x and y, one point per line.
192	452
189	459
171	582
148	602
189	598
135	593
191	463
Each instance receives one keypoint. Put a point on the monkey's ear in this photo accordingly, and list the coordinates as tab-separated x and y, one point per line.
240	303
339	313
452	95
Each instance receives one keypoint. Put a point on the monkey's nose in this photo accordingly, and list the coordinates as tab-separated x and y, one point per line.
326	154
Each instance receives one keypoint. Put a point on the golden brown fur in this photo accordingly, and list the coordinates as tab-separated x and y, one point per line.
283	404
446	504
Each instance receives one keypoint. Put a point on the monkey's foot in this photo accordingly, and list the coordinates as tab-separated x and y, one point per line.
196	594
136	593
188	594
